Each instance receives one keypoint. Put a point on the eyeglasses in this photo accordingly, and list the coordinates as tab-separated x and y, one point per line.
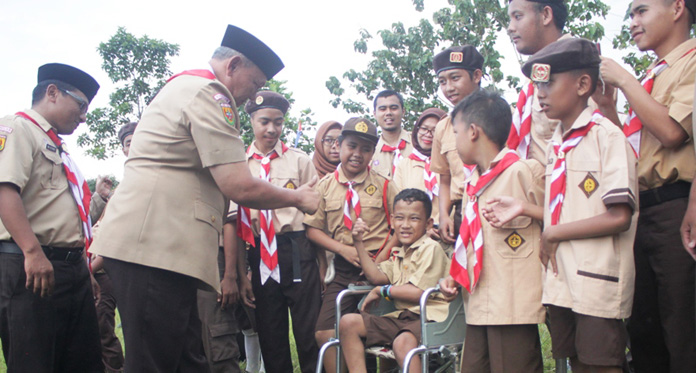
423	131
83	104
329	141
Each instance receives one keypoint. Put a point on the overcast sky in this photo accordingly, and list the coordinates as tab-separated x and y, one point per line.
313	37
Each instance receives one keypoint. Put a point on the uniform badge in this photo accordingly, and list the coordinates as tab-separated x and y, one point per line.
290	185
514	240
361	127
227	112
259	100
221	97
51	148
371	189
6	129
3	139
589	185
541	72
456	57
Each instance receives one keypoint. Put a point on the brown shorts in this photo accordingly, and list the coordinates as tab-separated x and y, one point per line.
327	313
381	331
502	348
594	340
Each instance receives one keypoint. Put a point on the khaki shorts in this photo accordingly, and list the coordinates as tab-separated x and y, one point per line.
594	340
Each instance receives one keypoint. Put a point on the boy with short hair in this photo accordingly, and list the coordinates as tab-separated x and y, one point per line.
353	191
589	212
497	264
413	267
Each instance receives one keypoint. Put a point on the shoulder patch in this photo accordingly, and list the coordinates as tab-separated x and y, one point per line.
6	129
371	189
3	139
589	185
227	112
221	97
514	240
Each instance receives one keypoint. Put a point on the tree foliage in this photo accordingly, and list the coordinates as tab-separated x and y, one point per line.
405	61
139	67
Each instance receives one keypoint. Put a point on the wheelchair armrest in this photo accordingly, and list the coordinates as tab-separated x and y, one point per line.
424	302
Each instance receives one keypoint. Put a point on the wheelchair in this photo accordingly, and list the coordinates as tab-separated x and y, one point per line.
441	342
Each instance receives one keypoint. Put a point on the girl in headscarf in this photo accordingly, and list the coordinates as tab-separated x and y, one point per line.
326	154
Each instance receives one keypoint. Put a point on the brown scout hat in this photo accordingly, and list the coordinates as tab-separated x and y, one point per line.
125	130
70	75
464	57
362	128
254	49
560	56
265	100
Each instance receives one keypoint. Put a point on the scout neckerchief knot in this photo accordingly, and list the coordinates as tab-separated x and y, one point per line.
429	177
397	152
78	185
520	131
633	126
470	230
352	199
558	176
268	266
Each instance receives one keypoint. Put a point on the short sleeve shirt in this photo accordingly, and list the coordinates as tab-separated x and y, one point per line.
445	159
410	174
30	160
422	264
383	162
674	88
595	275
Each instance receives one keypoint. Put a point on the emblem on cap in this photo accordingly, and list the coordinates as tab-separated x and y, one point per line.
456	57
589	185
361	127
514	240
541	72
259	100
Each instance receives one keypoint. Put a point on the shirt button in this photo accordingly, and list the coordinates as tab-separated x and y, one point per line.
212	218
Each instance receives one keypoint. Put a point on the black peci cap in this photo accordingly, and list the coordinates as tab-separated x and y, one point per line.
254	49
70	75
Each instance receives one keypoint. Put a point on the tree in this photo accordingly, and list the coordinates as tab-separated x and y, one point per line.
139	67
405	62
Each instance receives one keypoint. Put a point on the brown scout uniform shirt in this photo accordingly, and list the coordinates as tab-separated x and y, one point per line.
674	88
382	162
329	216
445	159
168	212
290	170
409	174
510	287
30	160
595	275
422	264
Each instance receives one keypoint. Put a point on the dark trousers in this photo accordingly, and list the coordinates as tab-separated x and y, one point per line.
159	314
112	351
273	300
661	327
53	334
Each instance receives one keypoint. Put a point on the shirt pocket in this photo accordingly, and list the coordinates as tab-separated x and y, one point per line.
583	178
334	215
372	211
53	177
208	214
516	239
285	179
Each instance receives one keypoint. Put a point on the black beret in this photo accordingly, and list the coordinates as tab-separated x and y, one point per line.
560	56
265	100
362	128
70	75
254	49
464	57
125	130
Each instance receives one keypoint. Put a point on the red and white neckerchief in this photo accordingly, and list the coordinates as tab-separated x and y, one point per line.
520	132
199	72
429	178
397	153
470	229
557	187
352	199
632	127
268	266
468	170
78	185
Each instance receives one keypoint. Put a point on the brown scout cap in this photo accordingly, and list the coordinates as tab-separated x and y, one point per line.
362	128
561	56
125	130
464	57
266	100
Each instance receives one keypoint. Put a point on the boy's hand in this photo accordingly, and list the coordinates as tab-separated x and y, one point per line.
449	288
359	229
501	210
229	292
351	256
370	298
548	250
434	233
447	229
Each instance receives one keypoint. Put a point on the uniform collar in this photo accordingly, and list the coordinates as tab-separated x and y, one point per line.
278	148
400	251
39	119
498	157
677	53
581	121
359	179
404	135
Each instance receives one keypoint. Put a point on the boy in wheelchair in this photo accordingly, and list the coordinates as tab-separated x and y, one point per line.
414	266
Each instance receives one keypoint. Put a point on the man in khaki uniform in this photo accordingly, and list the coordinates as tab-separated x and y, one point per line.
159	238
395	142
293	282
659	126
459	71
48	321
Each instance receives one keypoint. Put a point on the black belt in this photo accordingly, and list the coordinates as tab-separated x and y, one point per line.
296	266
64	254
669	192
